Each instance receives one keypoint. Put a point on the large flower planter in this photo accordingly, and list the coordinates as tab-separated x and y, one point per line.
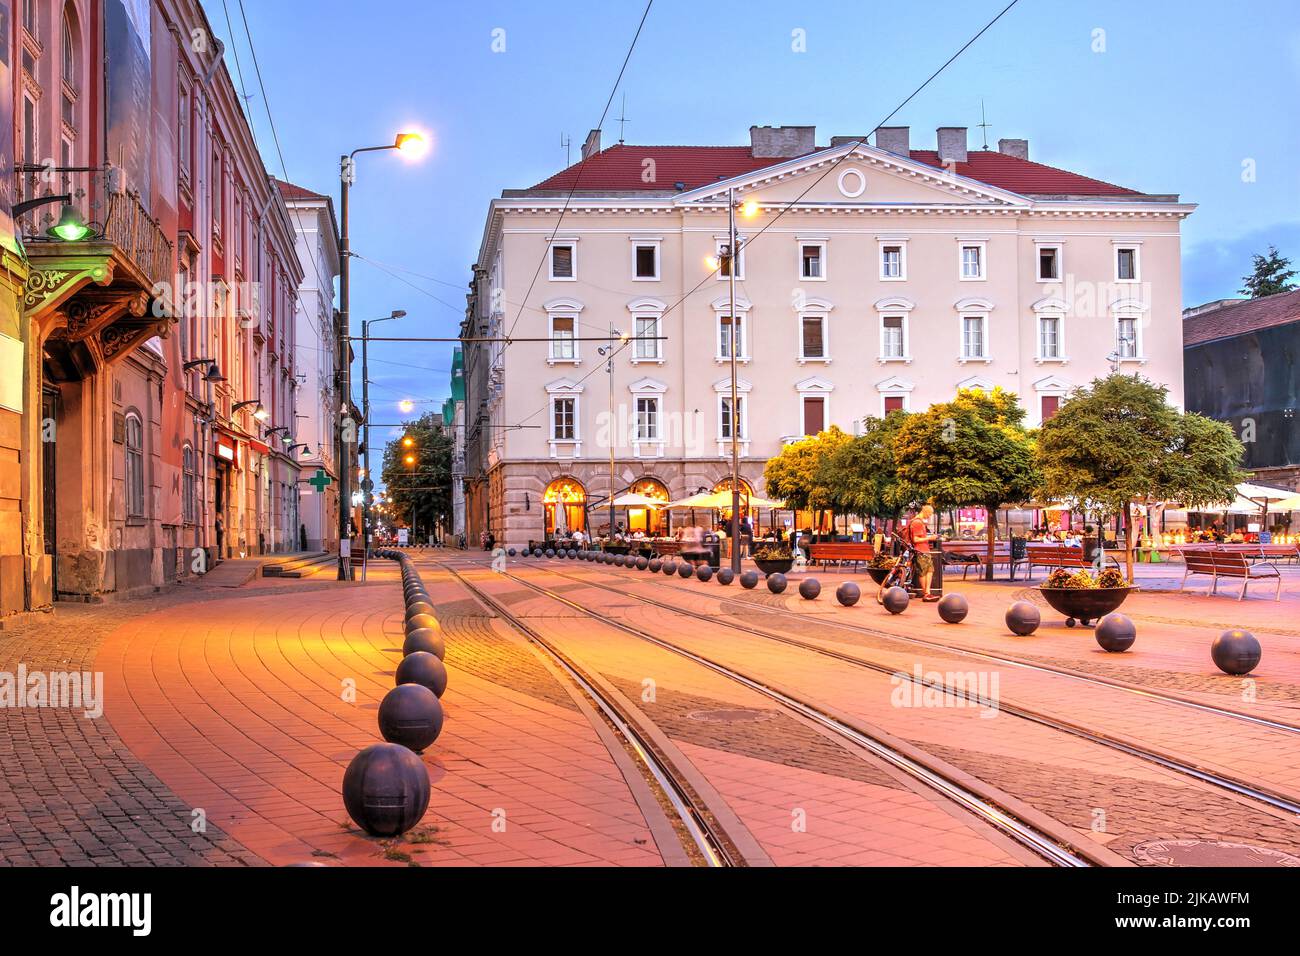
878	574
1084	604
778	566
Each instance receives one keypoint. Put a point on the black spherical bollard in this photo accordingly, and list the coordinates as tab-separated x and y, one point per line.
537	552
848	594
1236	652
749	580
572	554
410	715
776	583
953	608
670	567
810	589
1115	633
510	551
425	639
896	600
1023	618
420	620
386	790
424	669
550	552
653	565
703	573
685	570
726	576
418	607
642	563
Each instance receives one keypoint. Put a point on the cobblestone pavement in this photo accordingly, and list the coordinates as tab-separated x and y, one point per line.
1073	781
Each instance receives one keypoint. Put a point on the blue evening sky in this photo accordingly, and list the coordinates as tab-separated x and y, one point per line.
1184	92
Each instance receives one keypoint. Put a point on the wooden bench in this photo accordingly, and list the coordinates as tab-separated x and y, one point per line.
664	549
840	553
1228	564
1279	552
972	553
1057	556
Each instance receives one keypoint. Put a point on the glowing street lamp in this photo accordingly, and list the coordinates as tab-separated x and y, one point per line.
406	405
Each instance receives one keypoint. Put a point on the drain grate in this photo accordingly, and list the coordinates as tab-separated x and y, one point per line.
1209	853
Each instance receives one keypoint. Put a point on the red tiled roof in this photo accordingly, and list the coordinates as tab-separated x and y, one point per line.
621	168
1241	317
290	192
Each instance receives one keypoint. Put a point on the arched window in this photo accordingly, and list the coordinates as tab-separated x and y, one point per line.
189	501
134	471
648	519
69	62
565	504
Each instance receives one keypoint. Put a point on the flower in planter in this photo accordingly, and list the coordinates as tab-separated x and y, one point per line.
772	552
1112	578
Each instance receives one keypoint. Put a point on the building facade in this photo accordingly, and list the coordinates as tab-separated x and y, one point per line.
155	341
316	330
453	418
868	278
1240	363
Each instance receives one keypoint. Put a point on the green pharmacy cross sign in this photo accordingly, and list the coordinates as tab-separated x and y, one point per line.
320	481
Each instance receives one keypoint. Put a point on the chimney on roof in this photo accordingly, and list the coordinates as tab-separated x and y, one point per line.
777	142
846	140
1018	148
952	144
592	146
894	139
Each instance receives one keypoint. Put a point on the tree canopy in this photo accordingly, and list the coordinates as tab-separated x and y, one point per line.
1270	275
795	474
859	475
424	484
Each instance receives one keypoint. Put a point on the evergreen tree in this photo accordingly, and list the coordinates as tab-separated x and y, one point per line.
1271	275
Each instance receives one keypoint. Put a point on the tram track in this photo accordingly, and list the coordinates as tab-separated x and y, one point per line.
1242	788
1056	848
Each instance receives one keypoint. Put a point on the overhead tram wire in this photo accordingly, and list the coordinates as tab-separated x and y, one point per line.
788	206
578	178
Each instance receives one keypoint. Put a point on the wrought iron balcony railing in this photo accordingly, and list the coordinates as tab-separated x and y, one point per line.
114	213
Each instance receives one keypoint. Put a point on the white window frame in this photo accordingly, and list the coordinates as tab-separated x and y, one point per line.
974	309
1052	385
133	483
982	245
1059	248
892	307
739	262
565	447
552	244
1135	317
823	247
647	309
1117	245
814	388
563	309
722	307
652	446
882	244
1060	356
723	390
895	387
643	242
814	308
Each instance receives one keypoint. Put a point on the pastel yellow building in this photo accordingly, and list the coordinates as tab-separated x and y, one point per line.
869	277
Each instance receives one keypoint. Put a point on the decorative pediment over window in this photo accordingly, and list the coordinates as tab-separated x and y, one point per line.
895	303
1129	305
564	386
723	304
1051	304
563	304
645	304
1053	383
895	384
811	303
643	386
814	385
973	304
976	381
724	385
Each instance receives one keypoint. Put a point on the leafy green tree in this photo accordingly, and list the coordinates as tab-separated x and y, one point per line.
1269	276
1119	442
860	476
420	489
795	476
971	451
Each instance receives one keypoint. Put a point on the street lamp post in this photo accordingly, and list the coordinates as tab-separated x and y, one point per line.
346	430
731	259
608	352
368	481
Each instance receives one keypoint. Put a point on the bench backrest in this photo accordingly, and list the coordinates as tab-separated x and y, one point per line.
976	547
1229	561
1198	560
856	550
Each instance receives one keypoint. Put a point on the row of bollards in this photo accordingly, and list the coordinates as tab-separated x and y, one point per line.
386	787
1235	652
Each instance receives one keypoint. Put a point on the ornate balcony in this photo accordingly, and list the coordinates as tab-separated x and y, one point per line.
95	298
